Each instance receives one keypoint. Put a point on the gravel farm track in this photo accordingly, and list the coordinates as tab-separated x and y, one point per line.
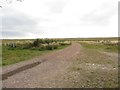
68	67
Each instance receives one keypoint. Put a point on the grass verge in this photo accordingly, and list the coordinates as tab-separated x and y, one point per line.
11	56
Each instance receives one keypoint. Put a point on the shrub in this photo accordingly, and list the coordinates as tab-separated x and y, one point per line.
27	46
47	41
36	43
55	46
42	48
62	44
49	47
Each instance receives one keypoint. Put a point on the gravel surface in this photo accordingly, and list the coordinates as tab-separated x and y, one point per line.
47	74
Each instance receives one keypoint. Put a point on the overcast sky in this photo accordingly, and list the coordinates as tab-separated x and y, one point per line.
59	18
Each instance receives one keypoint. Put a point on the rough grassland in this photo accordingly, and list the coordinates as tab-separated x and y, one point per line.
17	55
111	48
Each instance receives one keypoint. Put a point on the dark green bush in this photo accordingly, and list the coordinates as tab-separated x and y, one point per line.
36	43
55	46
42	48
49	47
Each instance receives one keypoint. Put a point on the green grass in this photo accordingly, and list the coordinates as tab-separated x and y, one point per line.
0	50
0	55
106	48
11	56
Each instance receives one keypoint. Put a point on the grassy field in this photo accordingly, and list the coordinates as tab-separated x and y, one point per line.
106	48
17	55
25	51
101	44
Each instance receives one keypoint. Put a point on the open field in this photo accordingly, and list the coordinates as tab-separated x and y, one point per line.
82	64
18	55
101	47
23	51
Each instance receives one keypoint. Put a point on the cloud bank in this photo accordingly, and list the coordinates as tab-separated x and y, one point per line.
60	19
16	24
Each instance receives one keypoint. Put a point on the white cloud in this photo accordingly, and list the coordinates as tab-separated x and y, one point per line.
100	16
56	6
16	24
63	18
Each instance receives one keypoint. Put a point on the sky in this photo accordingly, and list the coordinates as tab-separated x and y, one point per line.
58	19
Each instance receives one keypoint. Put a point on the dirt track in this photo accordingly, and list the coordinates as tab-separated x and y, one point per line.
73	66
46	74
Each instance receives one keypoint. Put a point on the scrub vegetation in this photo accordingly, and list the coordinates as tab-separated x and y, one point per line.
14	51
